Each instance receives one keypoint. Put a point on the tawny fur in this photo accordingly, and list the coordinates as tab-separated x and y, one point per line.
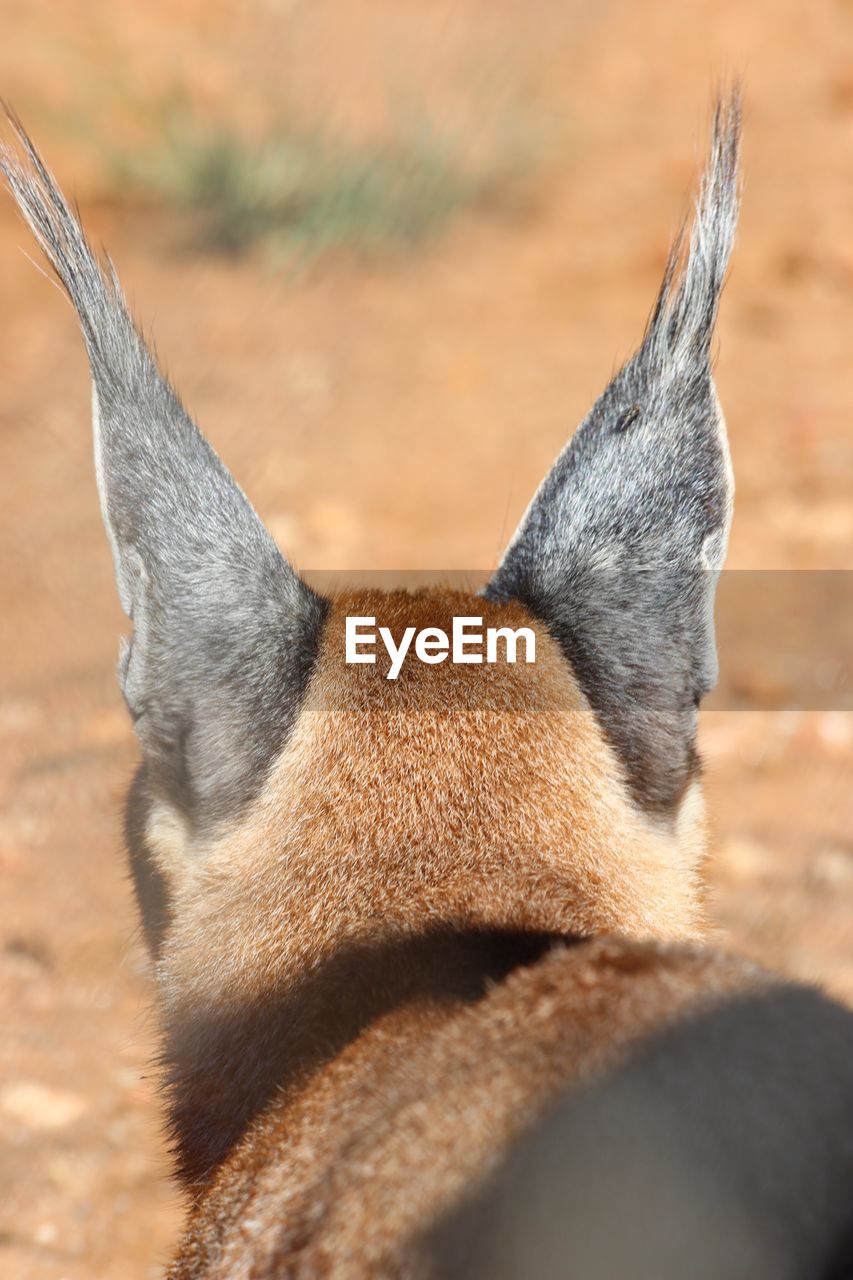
485	796
477	797
428	951
449	803
343	1178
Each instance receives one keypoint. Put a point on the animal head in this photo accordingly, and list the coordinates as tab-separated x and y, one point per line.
289	799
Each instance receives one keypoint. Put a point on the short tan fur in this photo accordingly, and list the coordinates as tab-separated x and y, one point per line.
435	995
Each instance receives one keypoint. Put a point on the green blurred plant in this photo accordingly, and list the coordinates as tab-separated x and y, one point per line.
303	191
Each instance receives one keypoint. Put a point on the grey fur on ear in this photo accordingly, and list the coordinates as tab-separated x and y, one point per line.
224	631
619	551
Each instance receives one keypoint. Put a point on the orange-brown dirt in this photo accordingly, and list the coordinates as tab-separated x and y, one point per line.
392	415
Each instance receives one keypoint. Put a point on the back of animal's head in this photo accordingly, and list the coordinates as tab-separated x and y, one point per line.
288	797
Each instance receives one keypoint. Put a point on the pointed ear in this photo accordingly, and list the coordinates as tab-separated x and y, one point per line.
224	632
619	550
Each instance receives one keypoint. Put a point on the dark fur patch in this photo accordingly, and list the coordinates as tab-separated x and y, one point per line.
694	1159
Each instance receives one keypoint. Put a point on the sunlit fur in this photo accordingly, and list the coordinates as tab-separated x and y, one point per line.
434	998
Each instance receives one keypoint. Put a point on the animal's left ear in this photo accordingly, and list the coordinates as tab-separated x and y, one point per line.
620	548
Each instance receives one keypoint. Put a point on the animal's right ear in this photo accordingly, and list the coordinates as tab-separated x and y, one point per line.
619	550
224	632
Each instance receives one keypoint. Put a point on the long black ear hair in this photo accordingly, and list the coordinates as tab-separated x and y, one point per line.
620	549
224	631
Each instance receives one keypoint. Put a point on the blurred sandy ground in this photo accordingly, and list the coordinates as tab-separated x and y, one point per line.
394	415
